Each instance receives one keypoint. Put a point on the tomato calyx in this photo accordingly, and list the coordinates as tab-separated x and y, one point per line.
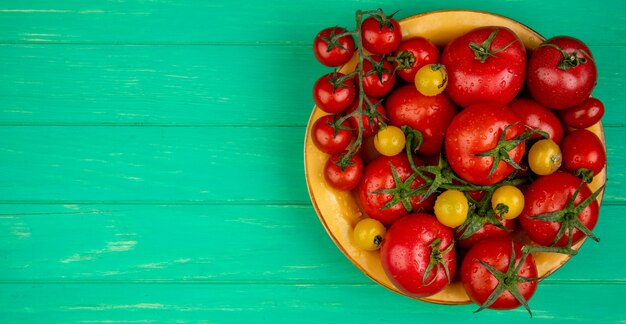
378	68
402	192
501	151
437	261
483	51
333	40
585	174
383	19
480	214
404	60
508	281
569	60
501	210
568	217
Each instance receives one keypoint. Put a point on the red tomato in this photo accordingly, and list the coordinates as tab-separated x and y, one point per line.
369	120
430	115
583	115
346	179
378	77
582	149
479	282
324	137
380	35
552	193
487	64
378	175
333	96
561	73
408	248
477	129
487	230
536	116
332	53
422	52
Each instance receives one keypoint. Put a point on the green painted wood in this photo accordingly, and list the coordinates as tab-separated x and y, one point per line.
213	244
189	85
288	303
253	22
177	164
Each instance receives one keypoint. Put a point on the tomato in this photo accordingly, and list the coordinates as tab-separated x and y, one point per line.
324	137
544	157
332	95
550	194
380	35
582	149
486	230
451	208
395	200
583	115
478	129
378	77
431	79
536	116
429	115
390	140
493	268
333	53
422	52
561	72
507	202
487	64
418	255
369	119
368	234
343	179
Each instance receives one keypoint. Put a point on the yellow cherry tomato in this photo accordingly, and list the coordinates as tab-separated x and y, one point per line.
451	208
545	157
507	201
390	140
368	234
431	79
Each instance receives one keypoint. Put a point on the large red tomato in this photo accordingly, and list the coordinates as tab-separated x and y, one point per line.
477	130
429	115
536	116
391	204
561	73
412	244
487	64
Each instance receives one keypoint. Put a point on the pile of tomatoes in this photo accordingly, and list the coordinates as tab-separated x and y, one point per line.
449	151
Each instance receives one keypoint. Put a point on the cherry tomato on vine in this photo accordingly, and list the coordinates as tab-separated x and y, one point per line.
333	95
536	116
507	201
431	79
451	208
380	34
390	140
325	138
411	55
368	234
418	255
370	119
480	281
582	149
333	52
378	77
346	178
561	72
544	157
584	114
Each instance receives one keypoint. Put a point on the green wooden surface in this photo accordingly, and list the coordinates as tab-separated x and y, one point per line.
119	121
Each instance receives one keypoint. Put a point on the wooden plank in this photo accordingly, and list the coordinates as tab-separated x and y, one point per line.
292	303
290	22
189	85
214	245
176	164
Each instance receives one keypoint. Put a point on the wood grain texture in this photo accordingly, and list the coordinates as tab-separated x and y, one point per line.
121	122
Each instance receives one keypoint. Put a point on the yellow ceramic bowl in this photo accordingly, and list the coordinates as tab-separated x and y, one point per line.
339	211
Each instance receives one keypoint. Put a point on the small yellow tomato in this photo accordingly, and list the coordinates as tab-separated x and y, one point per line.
545	157
390	140
507	201
451	208
431	79
368	234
